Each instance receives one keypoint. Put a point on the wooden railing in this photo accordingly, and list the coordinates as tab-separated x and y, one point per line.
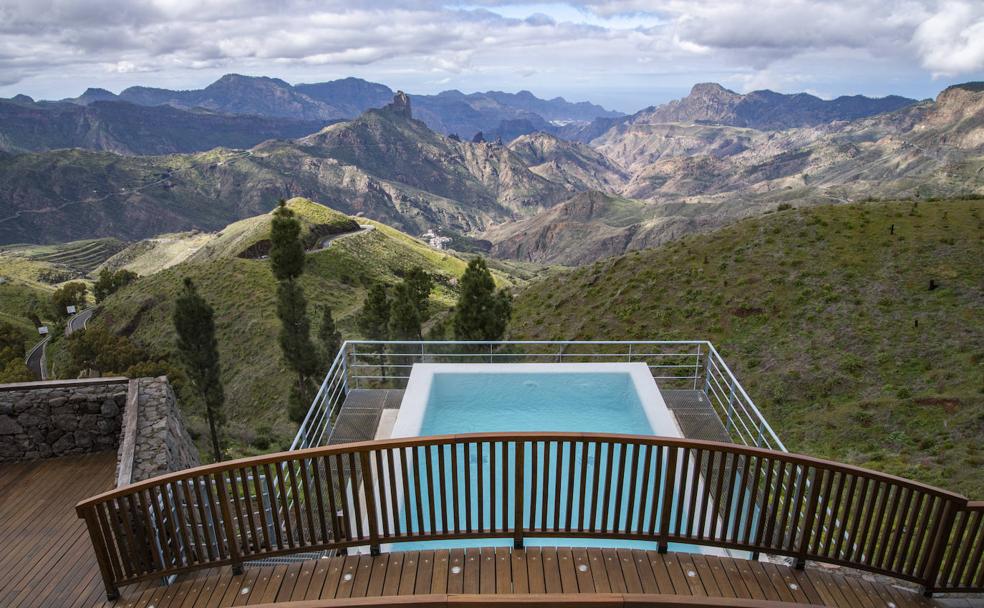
568	485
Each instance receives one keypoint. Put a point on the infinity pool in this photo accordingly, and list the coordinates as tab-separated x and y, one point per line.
576	397
470	398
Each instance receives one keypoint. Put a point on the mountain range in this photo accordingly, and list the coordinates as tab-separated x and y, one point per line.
541	197
128	128
447	112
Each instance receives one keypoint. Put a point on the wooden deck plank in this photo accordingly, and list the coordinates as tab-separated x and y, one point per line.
378	576
734	576
362	575
534	567
582	566
707	563
520	573
456	569
440	575
840	597
596	565
645	571
425	572
629	573
394	570
486	576
408	577
752	582
473	564
333	578
503	571
551	570
348	576
568	574
711	577
288	583
613	569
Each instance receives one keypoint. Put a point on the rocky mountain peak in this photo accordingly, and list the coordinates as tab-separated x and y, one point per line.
400	105
94	94
712	90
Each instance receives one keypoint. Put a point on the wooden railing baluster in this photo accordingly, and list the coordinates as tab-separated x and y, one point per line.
666	503
369	492
519	485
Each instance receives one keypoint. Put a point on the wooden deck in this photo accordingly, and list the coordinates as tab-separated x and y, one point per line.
47	561
531	571
45	555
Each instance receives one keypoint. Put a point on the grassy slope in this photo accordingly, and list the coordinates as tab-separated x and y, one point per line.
816	312
243	293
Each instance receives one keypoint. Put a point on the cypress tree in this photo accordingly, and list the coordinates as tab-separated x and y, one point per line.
195	325
481	313
287	263
295	330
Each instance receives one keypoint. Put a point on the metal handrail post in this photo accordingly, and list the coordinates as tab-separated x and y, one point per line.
696	366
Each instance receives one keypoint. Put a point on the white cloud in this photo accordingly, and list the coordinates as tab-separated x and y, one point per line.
67	45
952	40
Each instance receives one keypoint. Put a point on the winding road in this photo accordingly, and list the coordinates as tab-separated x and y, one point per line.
37	359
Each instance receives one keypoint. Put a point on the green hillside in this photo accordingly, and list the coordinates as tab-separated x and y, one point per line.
827	318
243	293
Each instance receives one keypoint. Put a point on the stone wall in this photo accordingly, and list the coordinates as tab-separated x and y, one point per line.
155	440
60	417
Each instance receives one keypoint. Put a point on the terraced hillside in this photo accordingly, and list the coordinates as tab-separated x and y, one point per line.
243	293
30	273
80	256
857	329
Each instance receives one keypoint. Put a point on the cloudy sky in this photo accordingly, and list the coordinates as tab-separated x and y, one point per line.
625	54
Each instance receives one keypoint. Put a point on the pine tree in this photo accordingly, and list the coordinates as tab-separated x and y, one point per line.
286	249
419	285
481	313
373	320
195	325
404	317
329	336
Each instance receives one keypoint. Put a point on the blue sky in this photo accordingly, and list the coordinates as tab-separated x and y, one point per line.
624	54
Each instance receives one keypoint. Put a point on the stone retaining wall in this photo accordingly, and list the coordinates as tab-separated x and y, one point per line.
60	418
138	418
161	443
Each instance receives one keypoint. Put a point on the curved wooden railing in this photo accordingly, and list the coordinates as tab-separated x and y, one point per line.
570	485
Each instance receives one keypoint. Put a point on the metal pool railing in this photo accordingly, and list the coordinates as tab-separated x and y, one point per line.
693	365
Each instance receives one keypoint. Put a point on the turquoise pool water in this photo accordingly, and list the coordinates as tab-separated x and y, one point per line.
485	403
563	402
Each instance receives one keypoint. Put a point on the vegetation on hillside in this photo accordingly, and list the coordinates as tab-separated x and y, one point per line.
243	294
857	329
